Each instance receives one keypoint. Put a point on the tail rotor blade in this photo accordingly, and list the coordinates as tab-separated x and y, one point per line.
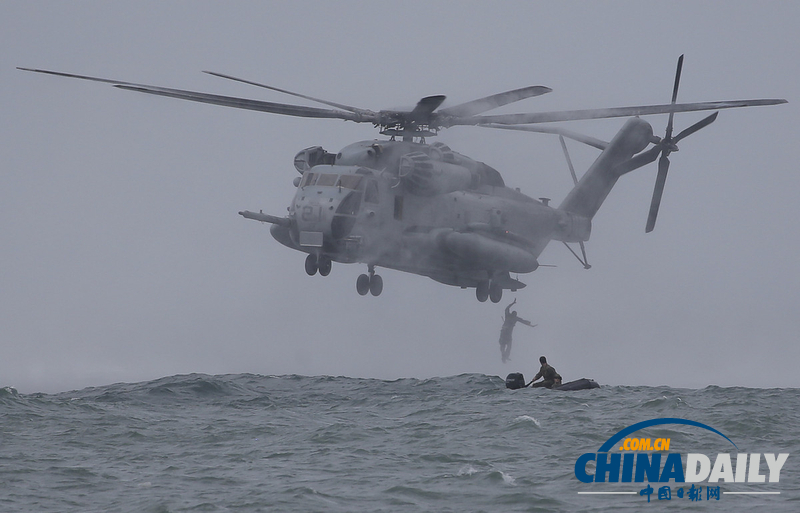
663	168
697	126
674	96
677	79
668	145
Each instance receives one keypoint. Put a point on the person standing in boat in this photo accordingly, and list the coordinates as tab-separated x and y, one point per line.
509	320
548	374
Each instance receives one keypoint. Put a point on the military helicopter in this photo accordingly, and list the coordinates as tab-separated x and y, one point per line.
401	203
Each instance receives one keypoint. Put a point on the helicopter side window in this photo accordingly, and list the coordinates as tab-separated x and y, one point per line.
371	192
351	204
309	179
349	181
327	180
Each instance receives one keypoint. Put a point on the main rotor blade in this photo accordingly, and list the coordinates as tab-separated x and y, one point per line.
226	101
422	111
243	103
569	134
615	112
658	191
492	102
73	75
694	128
569	160
298	95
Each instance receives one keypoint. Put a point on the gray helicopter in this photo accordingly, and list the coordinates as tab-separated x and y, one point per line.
403	204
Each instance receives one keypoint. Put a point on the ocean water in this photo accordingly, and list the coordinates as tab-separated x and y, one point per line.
295	443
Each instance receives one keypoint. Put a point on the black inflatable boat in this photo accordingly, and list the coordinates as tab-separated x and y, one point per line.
578	384
516	380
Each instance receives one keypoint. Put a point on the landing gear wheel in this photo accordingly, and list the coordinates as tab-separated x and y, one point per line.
495	292
311	264
482	291
376	285
363	284
325	265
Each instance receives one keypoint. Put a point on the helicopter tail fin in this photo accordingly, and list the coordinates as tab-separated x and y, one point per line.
589	193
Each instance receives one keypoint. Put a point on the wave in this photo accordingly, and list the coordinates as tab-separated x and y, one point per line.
255	389
8	392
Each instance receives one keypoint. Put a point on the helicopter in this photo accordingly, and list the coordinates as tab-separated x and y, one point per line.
403	204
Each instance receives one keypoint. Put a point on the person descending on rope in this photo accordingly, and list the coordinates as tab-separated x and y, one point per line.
509	320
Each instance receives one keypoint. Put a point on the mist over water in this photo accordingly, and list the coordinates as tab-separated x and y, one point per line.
293	443
126	259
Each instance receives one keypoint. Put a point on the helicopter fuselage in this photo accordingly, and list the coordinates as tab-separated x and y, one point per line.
423	209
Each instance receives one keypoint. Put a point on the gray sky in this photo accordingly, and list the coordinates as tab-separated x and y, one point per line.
124	258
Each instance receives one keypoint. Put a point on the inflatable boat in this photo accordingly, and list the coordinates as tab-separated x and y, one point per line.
516	380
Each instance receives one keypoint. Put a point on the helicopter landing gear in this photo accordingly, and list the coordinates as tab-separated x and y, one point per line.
325	265
495	292
371	283
311	264
376	285
489	289
319	263
482	291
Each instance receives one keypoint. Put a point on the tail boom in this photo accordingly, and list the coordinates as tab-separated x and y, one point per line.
588	195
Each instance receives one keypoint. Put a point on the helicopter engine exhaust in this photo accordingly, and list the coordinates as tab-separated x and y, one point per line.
489	252
425	176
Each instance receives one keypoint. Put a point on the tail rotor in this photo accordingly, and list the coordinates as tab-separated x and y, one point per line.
668	145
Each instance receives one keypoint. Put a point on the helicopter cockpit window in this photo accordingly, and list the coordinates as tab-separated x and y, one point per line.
309	179
349	181
371	192
327	180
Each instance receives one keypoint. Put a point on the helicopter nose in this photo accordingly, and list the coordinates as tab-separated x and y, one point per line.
326	217
315	213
